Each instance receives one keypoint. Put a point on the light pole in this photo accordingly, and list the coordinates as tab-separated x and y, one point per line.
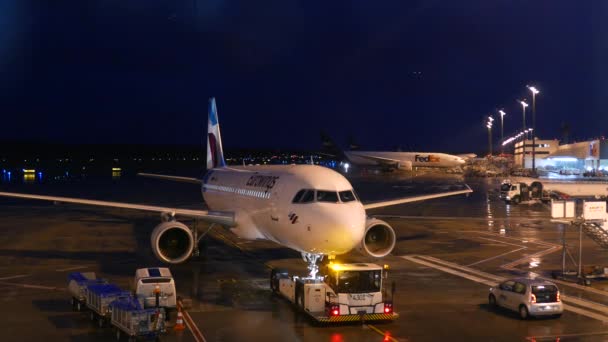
489	125
523	158
519	136
534	92
502	139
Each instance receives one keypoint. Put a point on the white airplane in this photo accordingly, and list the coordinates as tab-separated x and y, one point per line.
308	208
399	160
405	160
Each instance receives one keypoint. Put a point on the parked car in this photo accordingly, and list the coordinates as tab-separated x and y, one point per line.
528	297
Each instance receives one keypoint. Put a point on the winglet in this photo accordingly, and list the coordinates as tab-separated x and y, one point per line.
215	153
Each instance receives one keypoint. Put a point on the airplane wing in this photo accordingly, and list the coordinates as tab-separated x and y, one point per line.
171	178
224	218
374	205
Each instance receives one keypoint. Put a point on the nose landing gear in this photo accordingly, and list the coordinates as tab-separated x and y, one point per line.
312	260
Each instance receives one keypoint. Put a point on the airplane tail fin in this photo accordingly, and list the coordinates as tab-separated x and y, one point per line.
352	144
330	148
215	153
327	142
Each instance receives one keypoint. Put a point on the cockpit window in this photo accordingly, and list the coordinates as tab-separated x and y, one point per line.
304	196
309	196
347	196
298	196
327	196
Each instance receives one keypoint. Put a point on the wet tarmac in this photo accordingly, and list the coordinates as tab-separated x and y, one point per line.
449	252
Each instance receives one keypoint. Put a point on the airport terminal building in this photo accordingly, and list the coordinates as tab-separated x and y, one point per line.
544	148
586	155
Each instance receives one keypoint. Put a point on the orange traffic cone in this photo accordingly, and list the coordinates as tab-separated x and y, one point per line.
179	322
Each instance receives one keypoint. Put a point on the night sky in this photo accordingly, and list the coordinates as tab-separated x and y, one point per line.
414	74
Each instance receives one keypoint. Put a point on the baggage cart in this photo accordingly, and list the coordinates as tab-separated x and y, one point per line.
130	319
77	285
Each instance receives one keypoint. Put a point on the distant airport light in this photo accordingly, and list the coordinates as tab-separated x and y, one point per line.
116	169
29	171
533	90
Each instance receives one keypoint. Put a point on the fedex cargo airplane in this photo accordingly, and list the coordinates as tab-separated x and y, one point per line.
406	161
311	209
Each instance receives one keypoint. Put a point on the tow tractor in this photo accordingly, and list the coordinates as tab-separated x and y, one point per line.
346	293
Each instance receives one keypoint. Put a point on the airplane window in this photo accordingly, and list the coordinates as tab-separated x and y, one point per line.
327	196
355	194
304	196
309	196
347	196
298	196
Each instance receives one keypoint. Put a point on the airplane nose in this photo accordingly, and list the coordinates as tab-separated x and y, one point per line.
346	229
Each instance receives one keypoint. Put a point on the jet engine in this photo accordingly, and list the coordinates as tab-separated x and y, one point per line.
172	242
379	239
405	165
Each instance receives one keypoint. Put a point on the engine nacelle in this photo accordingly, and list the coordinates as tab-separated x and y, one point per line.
379	239
172	242
405	165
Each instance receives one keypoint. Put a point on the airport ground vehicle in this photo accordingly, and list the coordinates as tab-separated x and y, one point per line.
77	286
529	297
129	318
517	192
149	281
346	293
98	299
547	189
124	310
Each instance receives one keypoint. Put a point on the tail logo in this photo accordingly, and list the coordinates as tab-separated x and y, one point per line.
215	155
213	148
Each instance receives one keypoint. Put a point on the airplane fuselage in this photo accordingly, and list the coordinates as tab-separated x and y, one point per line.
264	196
417	159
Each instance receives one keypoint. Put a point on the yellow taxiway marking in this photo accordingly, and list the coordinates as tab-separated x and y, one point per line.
386	334
196	332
